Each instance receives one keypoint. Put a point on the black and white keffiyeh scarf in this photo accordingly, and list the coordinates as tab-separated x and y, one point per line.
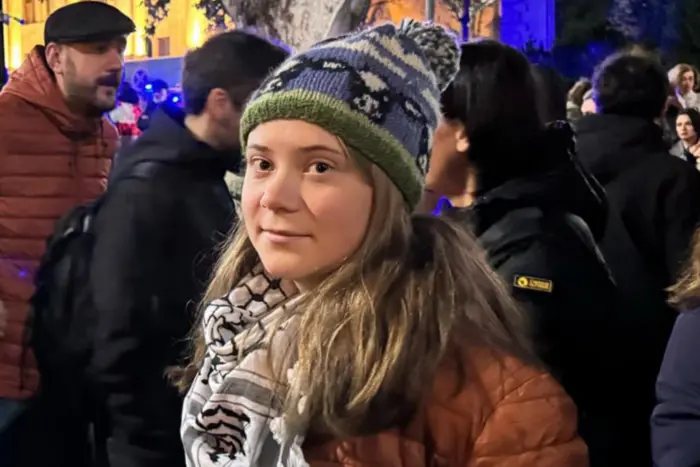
229	415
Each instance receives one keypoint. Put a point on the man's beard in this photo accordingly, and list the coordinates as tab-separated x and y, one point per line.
84	95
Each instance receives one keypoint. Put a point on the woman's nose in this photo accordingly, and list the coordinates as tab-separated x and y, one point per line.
282	193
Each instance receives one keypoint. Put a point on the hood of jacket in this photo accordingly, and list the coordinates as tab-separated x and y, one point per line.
565	187
168	141
33	82
609	144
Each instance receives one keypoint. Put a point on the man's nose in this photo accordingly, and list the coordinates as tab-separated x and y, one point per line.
115	59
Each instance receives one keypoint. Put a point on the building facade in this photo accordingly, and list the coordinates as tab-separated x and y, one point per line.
186	27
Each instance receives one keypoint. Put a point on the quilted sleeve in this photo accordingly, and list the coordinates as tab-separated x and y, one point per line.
534	425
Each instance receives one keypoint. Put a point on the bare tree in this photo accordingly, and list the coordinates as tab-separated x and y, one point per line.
263	15
625	18
456	7
476	8
378	12
350	15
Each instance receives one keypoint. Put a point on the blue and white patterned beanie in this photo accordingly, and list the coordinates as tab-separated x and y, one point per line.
378	90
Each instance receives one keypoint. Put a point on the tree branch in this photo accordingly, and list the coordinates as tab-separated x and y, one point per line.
349	16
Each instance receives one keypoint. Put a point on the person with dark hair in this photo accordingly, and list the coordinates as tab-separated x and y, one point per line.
519	187
159	96
156	238
159	91
687	128
654	209
126	115
552	93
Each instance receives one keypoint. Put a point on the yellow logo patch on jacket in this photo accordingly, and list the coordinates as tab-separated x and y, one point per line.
533	283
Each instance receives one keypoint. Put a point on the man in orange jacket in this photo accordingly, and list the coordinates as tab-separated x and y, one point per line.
55	153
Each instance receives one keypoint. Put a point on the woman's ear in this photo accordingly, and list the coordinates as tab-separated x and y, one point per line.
461	139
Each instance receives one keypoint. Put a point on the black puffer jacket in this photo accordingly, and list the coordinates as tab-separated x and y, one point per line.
540	232
156	245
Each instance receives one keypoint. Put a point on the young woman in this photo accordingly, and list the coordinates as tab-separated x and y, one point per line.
518	186
342	330
687	147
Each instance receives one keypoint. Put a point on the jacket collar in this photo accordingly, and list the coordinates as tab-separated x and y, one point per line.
34	83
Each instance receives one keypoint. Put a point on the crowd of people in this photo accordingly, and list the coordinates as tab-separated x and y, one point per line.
426	265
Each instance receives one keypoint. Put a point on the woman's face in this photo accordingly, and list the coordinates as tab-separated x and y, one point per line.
306	204
684	128
687	81
448	168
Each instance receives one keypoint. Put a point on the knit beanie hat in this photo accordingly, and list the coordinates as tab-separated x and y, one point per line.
378	90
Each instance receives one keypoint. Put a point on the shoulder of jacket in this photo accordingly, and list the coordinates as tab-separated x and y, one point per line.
663	164
15	109
492	378
517	230
139	202
158	186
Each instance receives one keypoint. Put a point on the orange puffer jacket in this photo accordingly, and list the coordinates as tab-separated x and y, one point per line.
509	415
50	161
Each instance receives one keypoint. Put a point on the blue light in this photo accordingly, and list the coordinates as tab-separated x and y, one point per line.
149	87
443	204
176	99
22	273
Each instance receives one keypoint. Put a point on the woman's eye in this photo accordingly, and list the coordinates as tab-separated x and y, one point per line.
321	167
261	165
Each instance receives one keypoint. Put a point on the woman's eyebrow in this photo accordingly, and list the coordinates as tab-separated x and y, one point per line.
258	147
320	148
310	148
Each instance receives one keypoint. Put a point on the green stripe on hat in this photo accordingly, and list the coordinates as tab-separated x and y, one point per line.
374	143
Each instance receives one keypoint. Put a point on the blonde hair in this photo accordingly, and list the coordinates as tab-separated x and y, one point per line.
376	329
686	291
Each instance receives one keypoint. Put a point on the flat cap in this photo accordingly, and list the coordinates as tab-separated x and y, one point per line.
86	21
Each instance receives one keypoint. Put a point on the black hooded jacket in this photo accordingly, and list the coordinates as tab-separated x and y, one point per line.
654	208
658	196
156	242
539	232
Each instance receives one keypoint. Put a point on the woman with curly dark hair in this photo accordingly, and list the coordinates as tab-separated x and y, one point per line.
687	127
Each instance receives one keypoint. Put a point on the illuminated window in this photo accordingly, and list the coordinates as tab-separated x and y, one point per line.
163	46
196	36
28	15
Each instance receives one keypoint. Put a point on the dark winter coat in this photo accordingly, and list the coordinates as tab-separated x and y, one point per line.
156	246
654	207
675	424
539	233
